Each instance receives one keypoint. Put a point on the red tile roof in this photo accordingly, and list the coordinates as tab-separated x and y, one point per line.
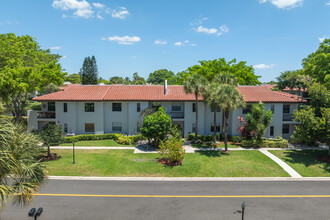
75	92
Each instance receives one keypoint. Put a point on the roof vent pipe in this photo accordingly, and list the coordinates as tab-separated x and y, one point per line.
165	87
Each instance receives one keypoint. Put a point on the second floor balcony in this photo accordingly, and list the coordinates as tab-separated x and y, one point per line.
287	117
177	115
46	115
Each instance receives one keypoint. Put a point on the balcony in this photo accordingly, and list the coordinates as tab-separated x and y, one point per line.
46	115
287	117
177	115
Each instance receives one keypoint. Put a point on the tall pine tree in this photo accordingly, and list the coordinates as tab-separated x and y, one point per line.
89	72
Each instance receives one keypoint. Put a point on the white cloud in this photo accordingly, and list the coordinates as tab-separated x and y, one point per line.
206	30
120	13
98	5
99	16
198	22
328	3
185	43
63	57
224	29
264	66
55	48
162	42
284	4
80	8
127	40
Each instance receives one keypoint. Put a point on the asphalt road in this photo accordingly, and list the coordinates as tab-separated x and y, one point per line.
62	199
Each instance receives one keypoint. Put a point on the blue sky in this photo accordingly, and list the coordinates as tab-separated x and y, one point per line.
128	36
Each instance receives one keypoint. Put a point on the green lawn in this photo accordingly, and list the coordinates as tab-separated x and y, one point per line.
200	164
222	146
305	162
101	143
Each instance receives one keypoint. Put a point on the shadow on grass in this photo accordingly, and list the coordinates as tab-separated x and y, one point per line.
212	153
307	157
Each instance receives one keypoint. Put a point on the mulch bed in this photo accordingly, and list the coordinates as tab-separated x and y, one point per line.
169	163
51	157
324	158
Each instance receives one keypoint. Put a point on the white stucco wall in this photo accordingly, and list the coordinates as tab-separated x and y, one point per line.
103	117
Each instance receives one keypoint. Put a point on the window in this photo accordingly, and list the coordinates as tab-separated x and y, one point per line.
138	127
138	107
89	127
116	107
193	128
117	126
176	107
51	106
217	127
212	109
285	129
89	107
65	128
247	109
272	108
286	108
65	107
271	132
194	107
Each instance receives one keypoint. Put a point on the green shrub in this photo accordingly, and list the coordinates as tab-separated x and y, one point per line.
125	140
112	136
235	139
172	151
265	143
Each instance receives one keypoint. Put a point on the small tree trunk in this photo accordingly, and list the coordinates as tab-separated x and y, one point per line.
48	151
223	125
215	126
225	129
196	127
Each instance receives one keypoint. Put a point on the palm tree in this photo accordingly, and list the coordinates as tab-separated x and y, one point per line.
229	98
211	94
21	173
194	85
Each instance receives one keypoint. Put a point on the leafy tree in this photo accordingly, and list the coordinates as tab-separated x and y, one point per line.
51	135
157	126
89	72
258	120
104	81
159	76
308	128
209	69
116	80
317	64
50	88
138	80
73	78
194	85
293	80
325	127
320	97
24	69
21	173
127	81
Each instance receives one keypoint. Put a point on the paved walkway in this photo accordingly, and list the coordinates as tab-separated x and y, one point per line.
281	163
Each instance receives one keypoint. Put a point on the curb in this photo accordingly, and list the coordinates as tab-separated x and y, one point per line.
190	179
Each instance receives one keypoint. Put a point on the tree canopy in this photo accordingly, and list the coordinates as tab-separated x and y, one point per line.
209	69
158	77
317	64
89	71
73	78
24	69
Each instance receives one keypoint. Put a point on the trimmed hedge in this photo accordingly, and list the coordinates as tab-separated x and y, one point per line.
113	136
205	138
266	143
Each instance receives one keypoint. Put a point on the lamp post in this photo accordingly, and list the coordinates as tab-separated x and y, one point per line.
243	208
73	154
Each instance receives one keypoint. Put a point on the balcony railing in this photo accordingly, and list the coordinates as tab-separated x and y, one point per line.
177	114
46	115
287	117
